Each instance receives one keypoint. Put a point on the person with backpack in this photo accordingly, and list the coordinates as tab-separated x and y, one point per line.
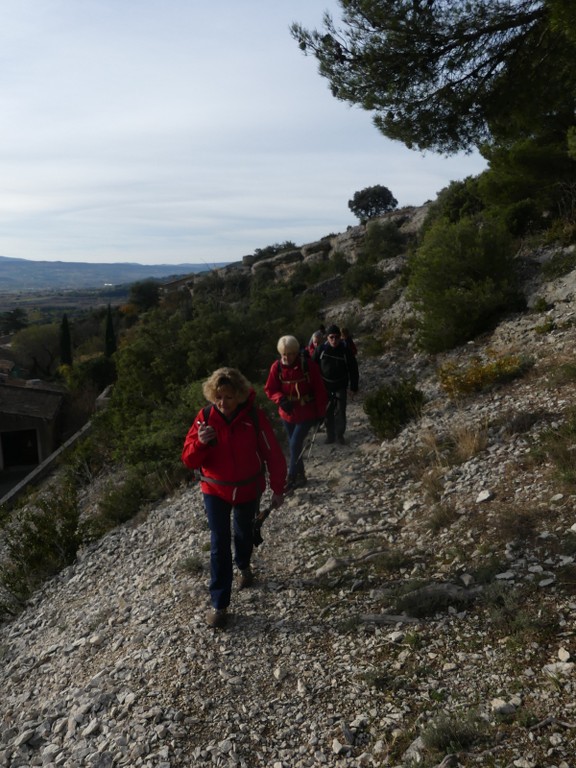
233	445
348	340
294	383
339	369
315	340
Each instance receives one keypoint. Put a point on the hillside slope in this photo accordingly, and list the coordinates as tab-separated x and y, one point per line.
418	593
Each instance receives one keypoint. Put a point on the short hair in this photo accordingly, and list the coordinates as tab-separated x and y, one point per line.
226	377
288	344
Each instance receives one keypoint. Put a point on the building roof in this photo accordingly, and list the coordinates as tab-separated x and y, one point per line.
30	401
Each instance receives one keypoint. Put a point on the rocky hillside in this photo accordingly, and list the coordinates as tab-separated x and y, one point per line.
415	603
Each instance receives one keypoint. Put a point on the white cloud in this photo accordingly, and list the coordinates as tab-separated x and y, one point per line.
180	131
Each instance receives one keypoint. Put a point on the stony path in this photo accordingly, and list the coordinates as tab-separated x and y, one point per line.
112	665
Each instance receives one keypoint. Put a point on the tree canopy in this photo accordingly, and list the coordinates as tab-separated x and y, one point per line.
447	76
372	201
13	320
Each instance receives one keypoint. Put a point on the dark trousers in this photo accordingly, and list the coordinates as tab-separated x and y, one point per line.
296	436
336	413
218	512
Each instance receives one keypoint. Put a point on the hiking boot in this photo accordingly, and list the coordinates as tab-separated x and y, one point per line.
329	440
290	486
300	480
217	618
341	440
246	578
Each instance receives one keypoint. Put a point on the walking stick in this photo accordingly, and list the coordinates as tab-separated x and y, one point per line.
318	425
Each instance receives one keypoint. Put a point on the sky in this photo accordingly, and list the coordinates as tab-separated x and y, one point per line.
182	131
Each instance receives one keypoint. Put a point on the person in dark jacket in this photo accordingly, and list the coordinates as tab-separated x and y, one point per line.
295	384
349	341
339	370
233	444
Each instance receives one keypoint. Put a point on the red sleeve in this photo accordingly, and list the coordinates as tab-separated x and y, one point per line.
194	451
272	454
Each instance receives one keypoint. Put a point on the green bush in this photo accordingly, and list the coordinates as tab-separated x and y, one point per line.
461	279
383	240
522	217
392	406
38	542
362	281
460	199
340	263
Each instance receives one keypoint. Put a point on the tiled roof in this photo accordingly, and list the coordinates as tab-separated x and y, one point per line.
29	401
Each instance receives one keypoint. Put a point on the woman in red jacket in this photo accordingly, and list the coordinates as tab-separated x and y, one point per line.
232	443
295	384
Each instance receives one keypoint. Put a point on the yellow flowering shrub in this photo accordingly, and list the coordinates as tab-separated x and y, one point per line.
480	373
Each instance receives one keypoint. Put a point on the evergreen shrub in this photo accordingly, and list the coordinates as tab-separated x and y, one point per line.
39	541
461	279
362	281
392	406
383	240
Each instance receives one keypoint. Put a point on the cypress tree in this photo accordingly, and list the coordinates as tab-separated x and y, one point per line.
65	342
110	336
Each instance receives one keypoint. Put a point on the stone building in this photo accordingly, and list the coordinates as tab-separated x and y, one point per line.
29	421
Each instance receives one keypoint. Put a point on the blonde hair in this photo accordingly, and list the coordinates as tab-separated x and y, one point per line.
226	377
287	344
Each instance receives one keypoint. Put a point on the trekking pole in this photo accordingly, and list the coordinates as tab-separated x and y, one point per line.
311	444
318	424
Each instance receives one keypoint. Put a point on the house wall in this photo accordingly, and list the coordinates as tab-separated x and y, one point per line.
16	432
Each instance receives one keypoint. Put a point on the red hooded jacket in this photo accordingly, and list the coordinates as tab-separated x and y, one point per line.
236	463
302	384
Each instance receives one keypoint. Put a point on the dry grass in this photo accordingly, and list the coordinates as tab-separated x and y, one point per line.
442	517
468	441
433	483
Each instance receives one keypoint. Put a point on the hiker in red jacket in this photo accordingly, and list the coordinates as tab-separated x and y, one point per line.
295	384
233	444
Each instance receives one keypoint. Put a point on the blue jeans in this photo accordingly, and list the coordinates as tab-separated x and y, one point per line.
221	572
296	436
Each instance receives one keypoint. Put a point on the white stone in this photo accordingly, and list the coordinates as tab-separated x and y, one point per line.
563	654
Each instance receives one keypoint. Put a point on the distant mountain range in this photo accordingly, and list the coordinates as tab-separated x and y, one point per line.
25	275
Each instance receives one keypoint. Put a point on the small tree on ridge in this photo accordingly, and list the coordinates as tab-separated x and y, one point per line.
372	201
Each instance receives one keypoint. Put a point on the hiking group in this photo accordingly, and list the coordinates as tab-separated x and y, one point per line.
232	445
